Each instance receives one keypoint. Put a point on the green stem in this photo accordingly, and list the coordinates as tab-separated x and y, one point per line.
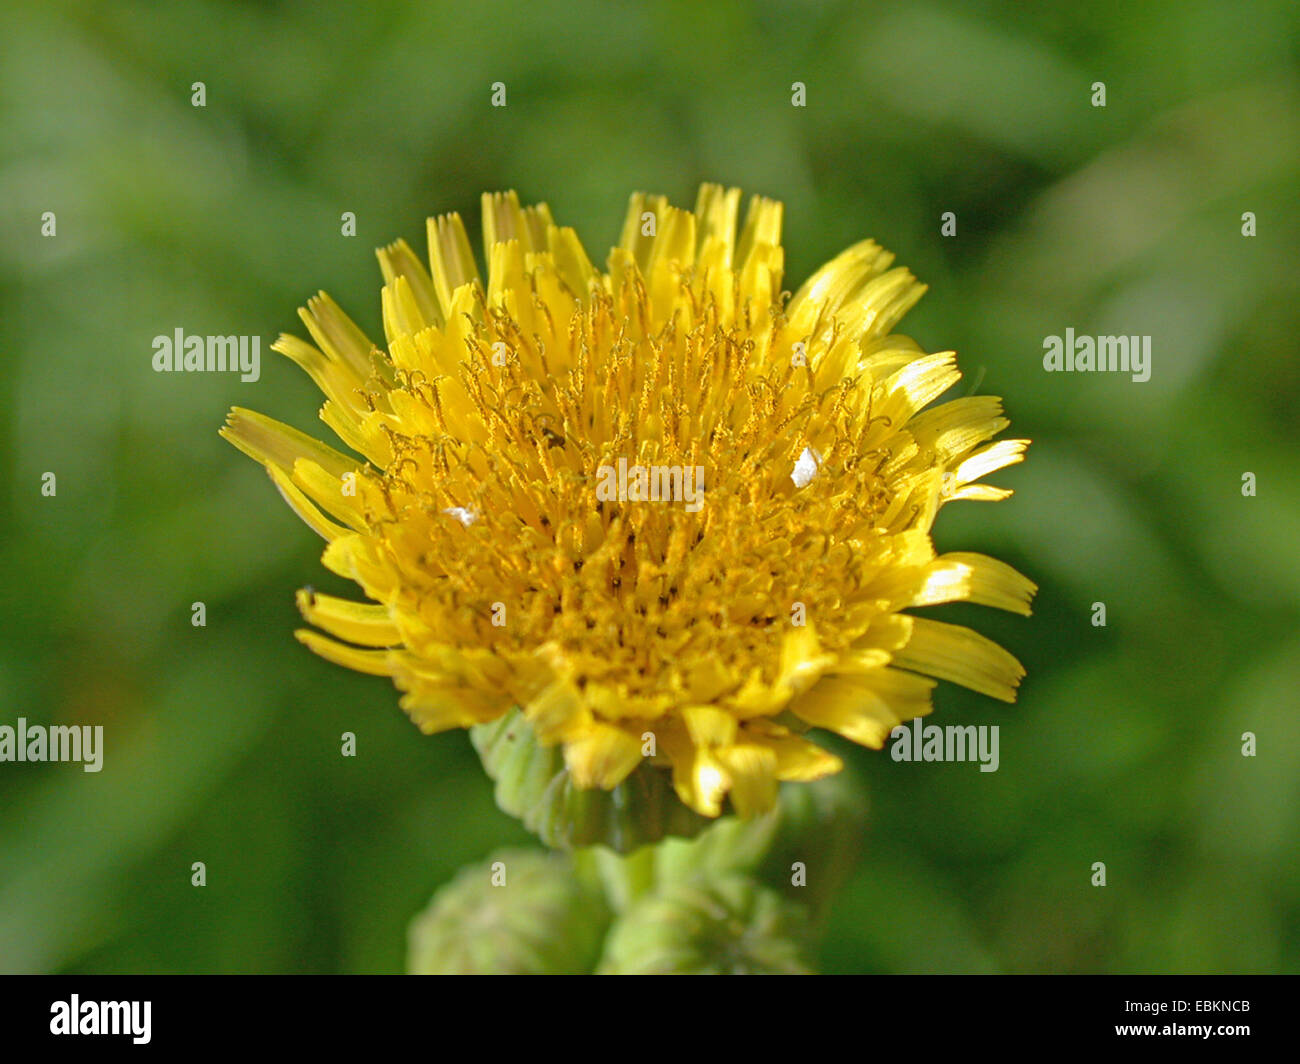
624	879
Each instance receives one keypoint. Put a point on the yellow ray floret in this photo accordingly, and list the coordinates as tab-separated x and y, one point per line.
666	509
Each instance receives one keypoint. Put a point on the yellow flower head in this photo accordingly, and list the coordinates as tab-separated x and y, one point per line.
667	510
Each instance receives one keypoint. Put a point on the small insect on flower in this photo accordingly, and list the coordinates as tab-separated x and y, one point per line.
726	631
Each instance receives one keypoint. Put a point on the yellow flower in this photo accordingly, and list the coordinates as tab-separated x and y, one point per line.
705	635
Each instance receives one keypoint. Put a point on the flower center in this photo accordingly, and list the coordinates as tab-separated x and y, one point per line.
775	487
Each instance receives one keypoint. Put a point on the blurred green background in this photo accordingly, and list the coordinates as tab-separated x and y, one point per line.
223	742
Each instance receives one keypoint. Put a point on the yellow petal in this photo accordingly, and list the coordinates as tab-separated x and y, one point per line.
961	576
336	334
558	714
752	769
602	755
918	383
365	623
797	760
330	490
401	310
802	659
451	260
698	778
709	727
988	459
304	507
374	662
961	656
271	442
571	261
398	260
955	427
716	213
865	708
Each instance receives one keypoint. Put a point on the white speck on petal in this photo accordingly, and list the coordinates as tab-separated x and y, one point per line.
464	516
806	468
